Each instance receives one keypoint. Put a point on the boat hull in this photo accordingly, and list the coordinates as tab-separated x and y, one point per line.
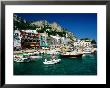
21	60
52	61
71	56
49	62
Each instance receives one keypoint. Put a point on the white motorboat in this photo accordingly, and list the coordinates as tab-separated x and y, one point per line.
21	60
56	60
17	58
49	62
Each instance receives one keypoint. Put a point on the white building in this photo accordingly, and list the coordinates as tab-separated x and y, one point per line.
83	43
30	31
17	39
55	42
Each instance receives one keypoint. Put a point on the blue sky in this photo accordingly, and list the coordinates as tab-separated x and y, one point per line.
83	25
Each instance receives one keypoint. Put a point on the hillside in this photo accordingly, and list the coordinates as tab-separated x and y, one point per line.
42	26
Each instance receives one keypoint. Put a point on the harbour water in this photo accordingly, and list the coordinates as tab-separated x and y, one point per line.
86	65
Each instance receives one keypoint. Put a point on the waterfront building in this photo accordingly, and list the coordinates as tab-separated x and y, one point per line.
55	41
83	43
64	40
52	42
43	40
17	40
30	39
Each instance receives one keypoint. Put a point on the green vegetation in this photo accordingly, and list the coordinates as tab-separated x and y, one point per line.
89	40
20	24
93	42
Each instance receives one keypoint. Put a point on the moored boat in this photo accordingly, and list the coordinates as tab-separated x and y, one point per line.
22	60
56	60
48	62
53	60
71	55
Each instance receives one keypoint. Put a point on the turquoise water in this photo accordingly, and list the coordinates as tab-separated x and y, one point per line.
86	65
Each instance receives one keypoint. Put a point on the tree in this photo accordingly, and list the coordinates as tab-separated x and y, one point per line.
93	42
85	39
